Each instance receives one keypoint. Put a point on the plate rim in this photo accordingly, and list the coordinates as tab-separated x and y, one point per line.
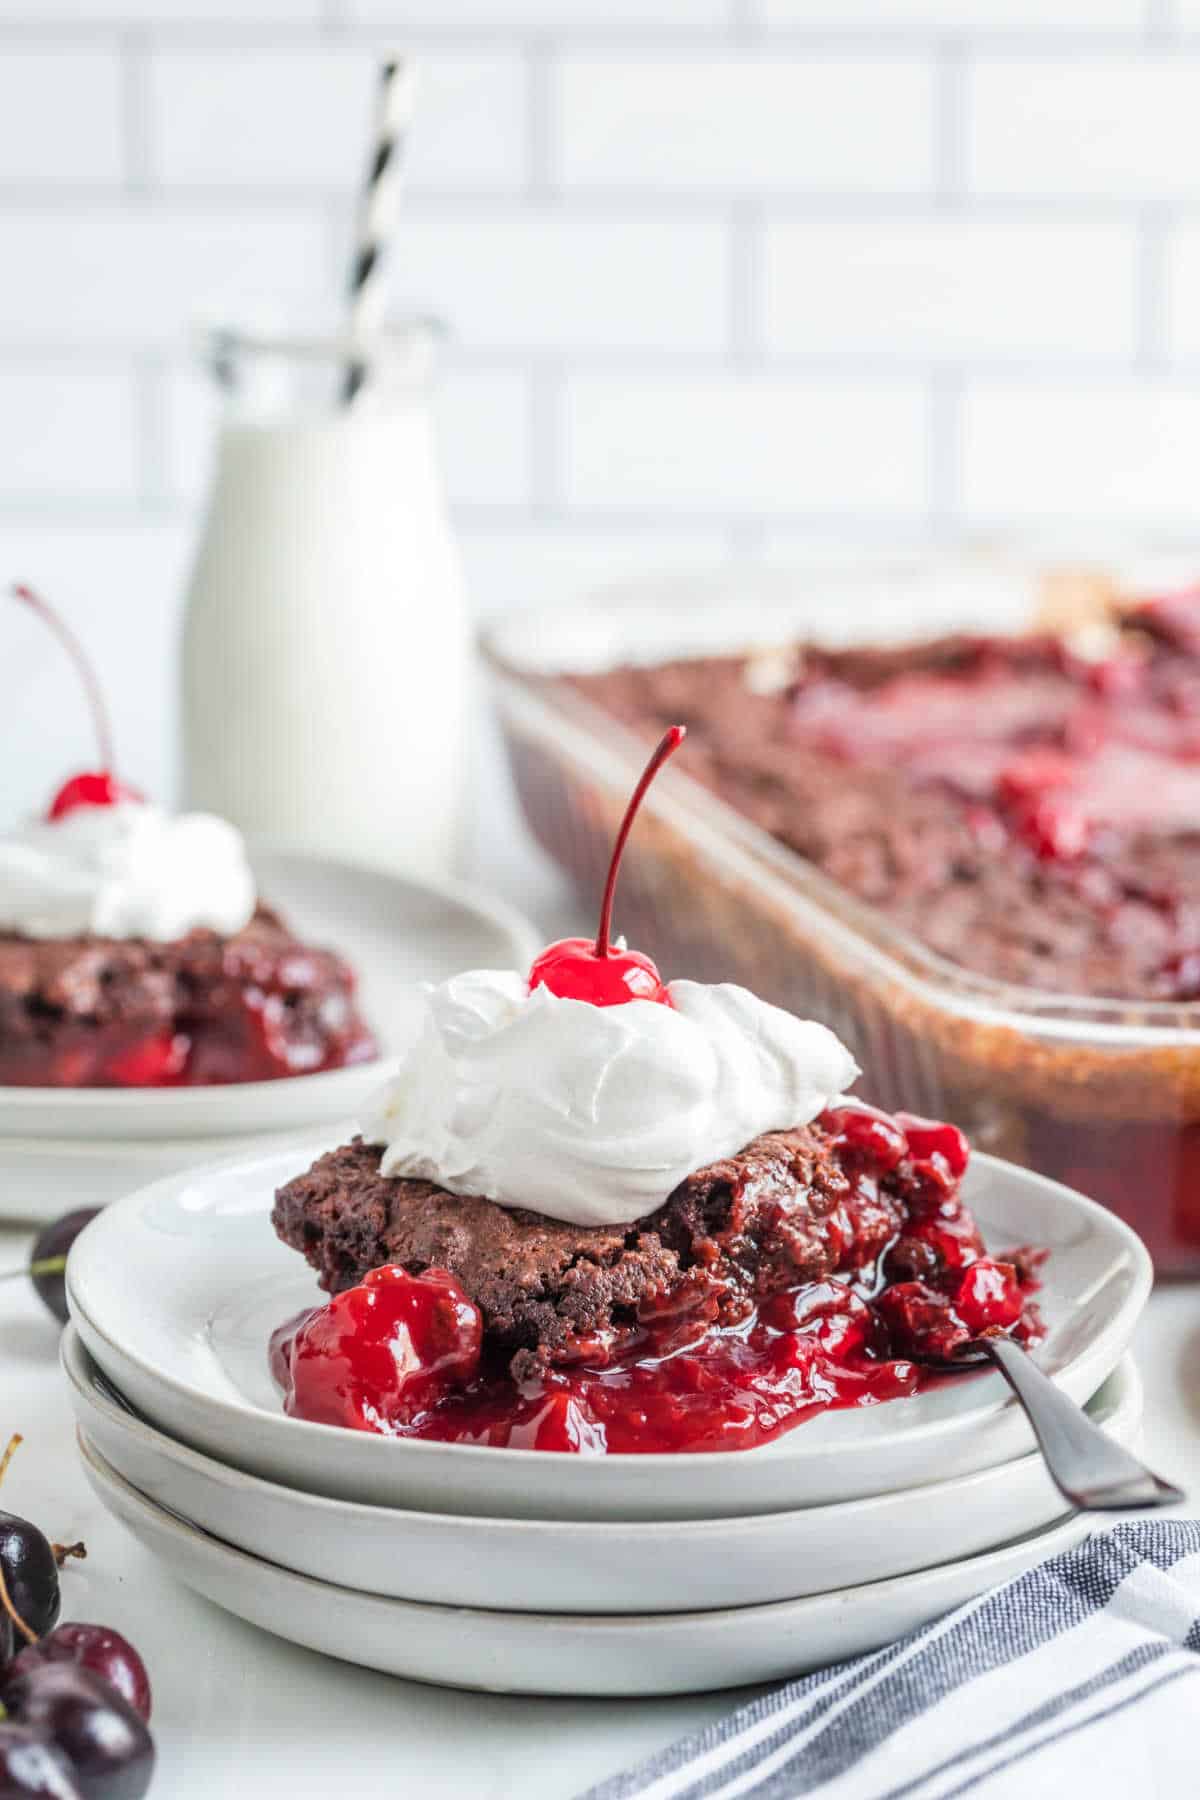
928	1434
73	1350
1070	1526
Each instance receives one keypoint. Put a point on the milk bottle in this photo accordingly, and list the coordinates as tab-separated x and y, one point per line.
325	642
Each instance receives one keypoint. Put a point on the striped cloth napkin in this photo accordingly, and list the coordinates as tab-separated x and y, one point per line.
1078	1681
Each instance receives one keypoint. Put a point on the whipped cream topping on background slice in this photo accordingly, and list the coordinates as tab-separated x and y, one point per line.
124	871
594	1114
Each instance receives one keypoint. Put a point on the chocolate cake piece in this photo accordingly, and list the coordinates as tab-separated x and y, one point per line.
780	1213
92	1011
1029	813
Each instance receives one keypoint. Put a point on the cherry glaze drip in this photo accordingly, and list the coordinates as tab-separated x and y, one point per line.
577	968
403	1355
98	787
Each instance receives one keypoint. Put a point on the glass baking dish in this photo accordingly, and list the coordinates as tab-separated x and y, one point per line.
1103	1095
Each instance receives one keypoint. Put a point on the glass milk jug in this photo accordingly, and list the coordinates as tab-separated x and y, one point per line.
325	651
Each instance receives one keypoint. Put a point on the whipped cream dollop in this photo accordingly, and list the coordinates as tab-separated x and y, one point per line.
124	871
594	1114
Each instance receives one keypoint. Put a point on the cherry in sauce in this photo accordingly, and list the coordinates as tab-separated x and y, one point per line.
583	969
380	1355
97	787
678	1383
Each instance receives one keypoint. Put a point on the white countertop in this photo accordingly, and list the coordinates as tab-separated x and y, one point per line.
242	1712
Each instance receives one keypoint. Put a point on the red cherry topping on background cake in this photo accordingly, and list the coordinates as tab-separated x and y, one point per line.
98	787
577	968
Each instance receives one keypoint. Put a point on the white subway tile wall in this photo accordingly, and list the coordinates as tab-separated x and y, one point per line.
723	277
37	88
767	443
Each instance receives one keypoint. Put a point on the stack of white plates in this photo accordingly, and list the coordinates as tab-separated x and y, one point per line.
543	1573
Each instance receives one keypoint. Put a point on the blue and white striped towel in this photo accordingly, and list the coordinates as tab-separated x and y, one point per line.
1087	1667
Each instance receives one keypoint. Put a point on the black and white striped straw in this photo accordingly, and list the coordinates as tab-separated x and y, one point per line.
377	214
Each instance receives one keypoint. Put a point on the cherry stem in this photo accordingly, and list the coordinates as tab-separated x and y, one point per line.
30	1636
13	1445
62	1551
79	657
668	744
45	1265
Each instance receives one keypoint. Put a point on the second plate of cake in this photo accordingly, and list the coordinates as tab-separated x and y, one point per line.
93	1144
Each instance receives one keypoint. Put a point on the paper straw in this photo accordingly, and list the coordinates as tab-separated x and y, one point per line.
377	213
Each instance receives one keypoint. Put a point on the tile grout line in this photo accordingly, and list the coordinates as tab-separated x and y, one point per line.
745	22
747	285
541	121
819	367
950	126
149	377
547	402
1162	26
134	51
616	204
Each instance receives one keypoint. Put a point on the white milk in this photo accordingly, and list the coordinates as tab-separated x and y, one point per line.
325	645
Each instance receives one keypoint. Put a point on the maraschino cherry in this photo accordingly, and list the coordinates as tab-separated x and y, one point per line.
98	787
577	968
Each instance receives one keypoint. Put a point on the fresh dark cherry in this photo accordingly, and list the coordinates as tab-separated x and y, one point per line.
30	1571
31	1764
97	787
94	1647
48	1259
580	969
381	1353
109	1749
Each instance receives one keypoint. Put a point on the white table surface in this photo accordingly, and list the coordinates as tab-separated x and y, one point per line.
240	1712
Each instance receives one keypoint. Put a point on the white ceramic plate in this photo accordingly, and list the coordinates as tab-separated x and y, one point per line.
396	932
564	1653
175	1291
526	1565
40	1179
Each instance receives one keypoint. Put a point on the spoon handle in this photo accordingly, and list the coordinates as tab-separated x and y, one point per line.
1092	1471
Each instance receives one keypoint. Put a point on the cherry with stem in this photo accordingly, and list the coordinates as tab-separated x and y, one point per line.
98	787
48	1262
592	970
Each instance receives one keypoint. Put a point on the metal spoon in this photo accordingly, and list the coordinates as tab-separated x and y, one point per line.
1086	1466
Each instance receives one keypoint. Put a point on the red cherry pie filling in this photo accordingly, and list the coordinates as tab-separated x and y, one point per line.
100	1012
803	1275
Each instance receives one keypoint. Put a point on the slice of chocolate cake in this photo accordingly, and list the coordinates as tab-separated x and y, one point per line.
784	1211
